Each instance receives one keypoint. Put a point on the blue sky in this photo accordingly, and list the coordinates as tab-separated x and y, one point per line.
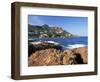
74	25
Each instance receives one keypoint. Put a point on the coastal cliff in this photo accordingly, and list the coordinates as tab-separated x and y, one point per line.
45	31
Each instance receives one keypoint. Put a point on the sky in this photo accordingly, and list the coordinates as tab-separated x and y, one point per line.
75	25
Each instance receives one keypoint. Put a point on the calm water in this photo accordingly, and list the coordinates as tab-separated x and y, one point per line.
67	42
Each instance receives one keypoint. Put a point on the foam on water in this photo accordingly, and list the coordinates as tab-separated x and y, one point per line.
52	42
75	46
38	42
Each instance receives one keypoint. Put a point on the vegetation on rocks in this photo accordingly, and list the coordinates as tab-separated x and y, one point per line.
35	31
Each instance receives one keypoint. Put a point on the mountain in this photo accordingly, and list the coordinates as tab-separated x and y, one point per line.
36	31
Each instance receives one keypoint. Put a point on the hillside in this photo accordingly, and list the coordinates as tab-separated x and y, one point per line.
45	31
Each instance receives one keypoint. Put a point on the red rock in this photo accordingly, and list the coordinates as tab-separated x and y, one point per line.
83	52
52	56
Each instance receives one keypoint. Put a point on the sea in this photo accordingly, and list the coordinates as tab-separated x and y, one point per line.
69	43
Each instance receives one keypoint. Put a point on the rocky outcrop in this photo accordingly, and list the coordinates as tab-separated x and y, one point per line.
83	53
53	56
36	31
41	46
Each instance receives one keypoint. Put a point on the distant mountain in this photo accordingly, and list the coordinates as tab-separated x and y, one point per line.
35	31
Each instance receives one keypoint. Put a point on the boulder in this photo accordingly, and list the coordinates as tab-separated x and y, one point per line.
83	53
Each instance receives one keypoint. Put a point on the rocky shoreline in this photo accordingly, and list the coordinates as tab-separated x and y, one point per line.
37	46
44	54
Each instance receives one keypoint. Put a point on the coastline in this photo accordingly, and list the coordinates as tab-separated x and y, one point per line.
49	53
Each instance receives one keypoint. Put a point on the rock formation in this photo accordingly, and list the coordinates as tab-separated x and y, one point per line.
53	56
